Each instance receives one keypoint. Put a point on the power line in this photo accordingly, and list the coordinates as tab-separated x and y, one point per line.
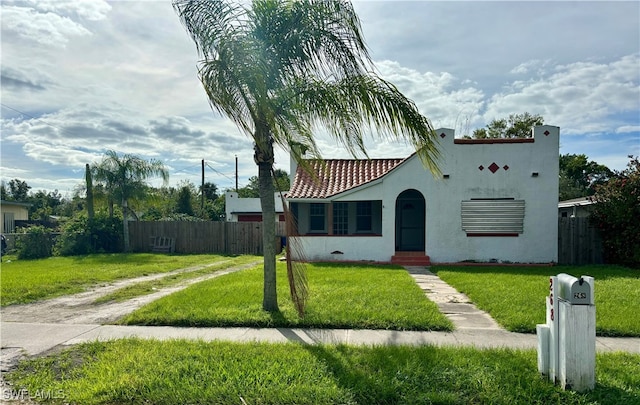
220	173
34	118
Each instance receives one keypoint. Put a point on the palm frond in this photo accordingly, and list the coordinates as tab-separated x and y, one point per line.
296	270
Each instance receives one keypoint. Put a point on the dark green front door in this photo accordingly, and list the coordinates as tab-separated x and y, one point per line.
410	221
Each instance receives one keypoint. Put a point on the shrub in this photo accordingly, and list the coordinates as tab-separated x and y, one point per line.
616	214
35	243
81	236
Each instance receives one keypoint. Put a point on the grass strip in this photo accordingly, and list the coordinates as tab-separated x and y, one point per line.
25	281
170	372
515	296
341	296
149	287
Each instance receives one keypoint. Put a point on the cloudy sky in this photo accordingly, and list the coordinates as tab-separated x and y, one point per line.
82	77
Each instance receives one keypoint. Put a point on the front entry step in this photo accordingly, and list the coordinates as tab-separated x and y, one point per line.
410	259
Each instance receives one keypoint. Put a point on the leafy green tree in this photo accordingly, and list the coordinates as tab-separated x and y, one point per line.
210	191
89	192
516	126
44	204
278	68
4	193
124	177
281	182
580	177
18	190
184	203
616	212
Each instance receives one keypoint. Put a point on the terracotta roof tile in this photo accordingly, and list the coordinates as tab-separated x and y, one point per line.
338	176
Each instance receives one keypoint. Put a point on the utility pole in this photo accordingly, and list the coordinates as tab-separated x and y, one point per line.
236	173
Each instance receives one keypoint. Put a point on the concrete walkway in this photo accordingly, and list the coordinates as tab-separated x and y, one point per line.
473	328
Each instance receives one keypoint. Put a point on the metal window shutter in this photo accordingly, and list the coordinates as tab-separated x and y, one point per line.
493	216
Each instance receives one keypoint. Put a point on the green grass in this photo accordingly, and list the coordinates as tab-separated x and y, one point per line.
26	281
515	296
149	287
341	296
180	372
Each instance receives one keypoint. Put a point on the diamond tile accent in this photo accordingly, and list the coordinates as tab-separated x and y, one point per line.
546	133
505	167
481	167
442	135
494	167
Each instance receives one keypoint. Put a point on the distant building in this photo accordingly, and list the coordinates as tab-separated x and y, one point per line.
576	207
12	211
248	209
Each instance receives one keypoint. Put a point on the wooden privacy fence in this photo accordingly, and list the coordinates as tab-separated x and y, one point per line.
578	242
203	237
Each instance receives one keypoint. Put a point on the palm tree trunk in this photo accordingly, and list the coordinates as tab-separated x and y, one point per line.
267	201
125	225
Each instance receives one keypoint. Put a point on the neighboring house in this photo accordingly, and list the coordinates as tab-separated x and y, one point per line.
495	201
577	207
248	209
12	211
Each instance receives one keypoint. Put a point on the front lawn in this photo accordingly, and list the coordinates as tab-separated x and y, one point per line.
341	296
515	296
26	281
185	372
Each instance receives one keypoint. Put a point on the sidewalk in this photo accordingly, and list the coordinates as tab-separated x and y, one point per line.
473	328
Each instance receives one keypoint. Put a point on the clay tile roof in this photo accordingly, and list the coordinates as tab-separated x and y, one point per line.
338	176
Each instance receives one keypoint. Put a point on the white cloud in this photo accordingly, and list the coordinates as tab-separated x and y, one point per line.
445	99
50	23
627	128
581	97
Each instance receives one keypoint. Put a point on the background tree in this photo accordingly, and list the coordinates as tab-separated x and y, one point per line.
4	193
516	126
89	192
18	190
184	199
210	191
616	214
276	68
252	190
125	178
580	177
44	204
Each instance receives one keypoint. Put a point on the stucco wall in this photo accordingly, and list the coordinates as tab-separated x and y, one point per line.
526	171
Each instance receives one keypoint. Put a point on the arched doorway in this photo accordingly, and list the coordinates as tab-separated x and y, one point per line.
410	221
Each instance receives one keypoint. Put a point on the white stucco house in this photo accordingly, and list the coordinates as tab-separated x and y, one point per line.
497	200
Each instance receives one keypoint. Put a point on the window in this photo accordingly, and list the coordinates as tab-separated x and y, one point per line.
340	218
316	217
493	217
9	222
363	216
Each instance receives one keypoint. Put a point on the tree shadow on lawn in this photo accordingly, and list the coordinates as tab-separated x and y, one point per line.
599	272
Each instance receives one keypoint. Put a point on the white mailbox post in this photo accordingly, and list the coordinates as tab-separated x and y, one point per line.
567	342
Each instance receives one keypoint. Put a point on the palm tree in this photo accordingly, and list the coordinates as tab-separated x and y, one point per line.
125	178
278	68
